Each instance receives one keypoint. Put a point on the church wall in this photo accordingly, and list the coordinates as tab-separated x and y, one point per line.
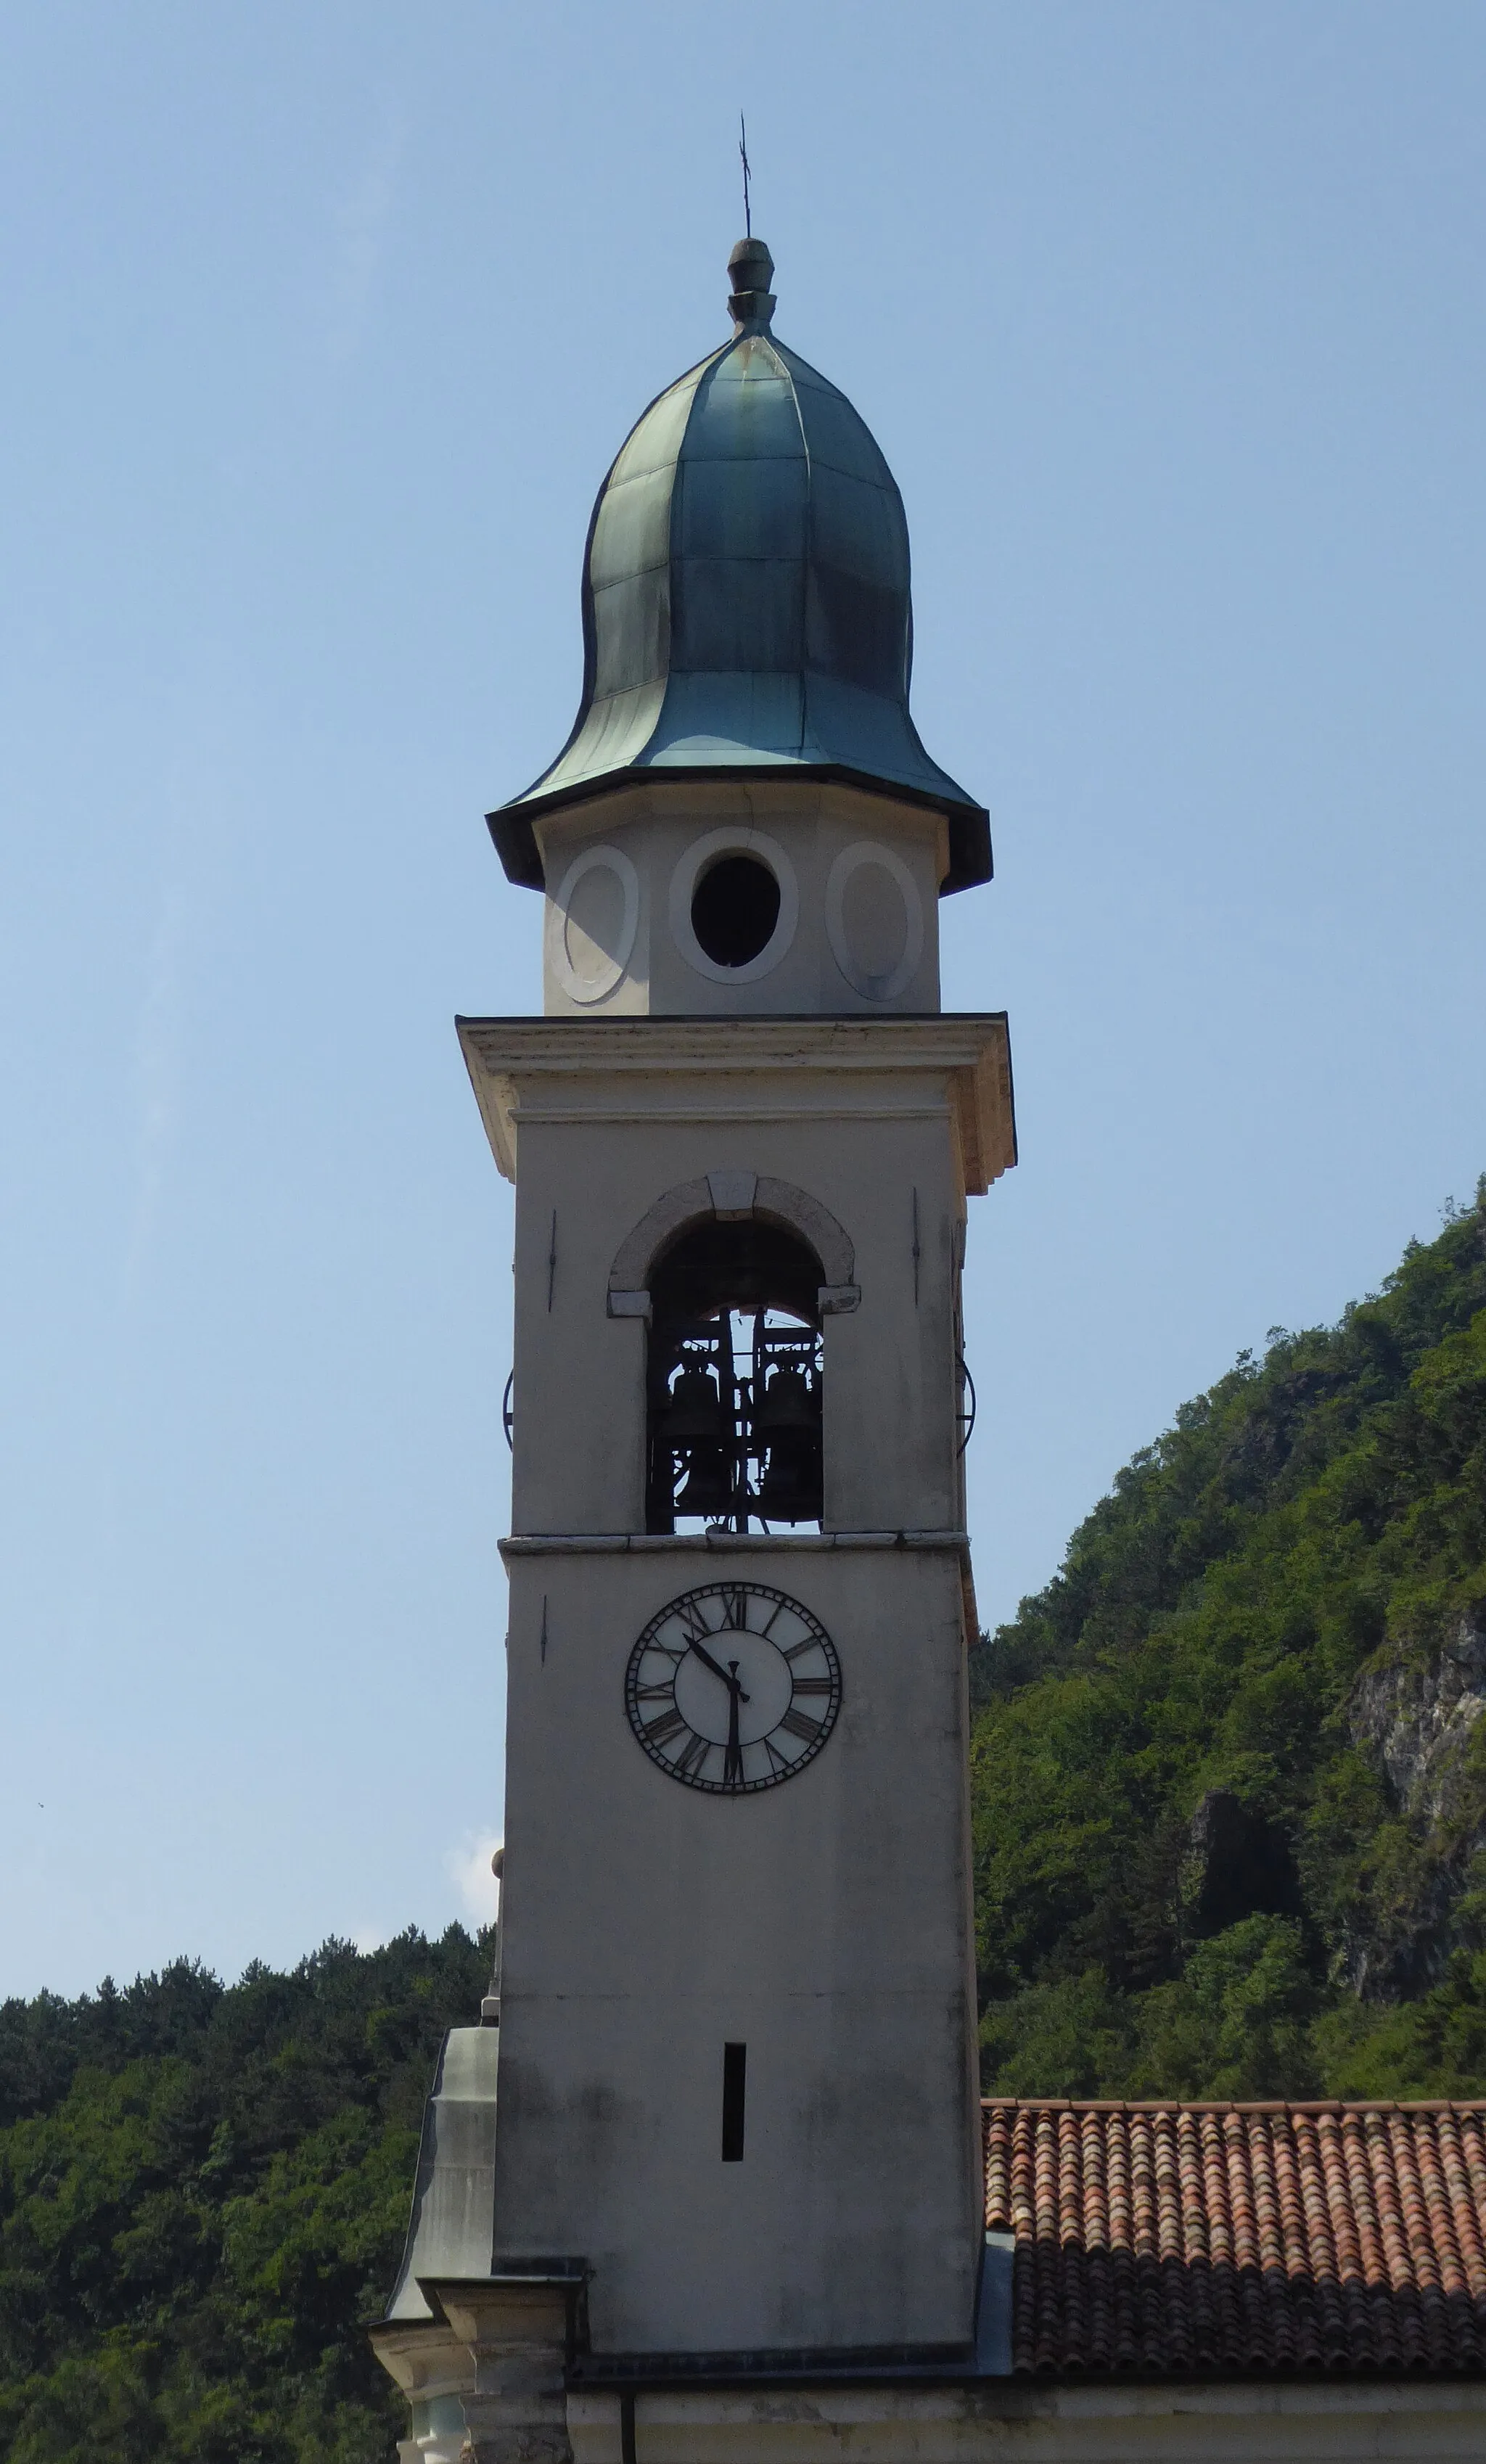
1185	2424
865	1147
824	1923
858	929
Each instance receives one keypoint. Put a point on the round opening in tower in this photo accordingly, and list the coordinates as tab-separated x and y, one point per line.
735	908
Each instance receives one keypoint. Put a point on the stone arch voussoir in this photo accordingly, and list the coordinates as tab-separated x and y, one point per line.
732	1196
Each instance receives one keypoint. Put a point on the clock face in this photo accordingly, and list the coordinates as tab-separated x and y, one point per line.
733	1687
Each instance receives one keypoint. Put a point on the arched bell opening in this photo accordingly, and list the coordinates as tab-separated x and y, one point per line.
734	1381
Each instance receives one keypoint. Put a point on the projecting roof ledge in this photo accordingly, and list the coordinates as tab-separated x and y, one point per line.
511	826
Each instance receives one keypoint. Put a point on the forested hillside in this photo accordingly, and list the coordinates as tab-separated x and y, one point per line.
1231	1828
203	2197
1229	1775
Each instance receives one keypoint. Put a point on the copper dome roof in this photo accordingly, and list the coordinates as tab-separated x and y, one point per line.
745	596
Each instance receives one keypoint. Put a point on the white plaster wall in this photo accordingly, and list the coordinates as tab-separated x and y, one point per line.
1185	2423
861	1144
655	826
825	1923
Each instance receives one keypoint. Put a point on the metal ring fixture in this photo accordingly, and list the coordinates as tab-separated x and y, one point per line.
507	1415
966	1403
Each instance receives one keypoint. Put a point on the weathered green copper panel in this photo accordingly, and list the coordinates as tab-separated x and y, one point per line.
746	596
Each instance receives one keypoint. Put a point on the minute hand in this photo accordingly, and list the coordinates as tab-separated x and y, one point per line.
718	1670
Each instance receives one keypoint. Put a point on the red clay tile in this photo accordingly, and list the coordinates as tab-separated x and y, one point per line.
1178	2239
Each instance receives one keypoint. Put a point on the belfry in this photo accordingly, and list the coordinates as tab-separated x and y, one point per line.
720	2120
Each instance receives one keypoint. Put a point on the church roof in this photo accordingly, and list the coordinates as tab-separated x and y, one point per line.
745	596
1225	2240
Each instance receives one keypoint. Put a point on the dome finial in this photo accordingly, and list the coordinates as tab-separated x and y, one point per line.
751	300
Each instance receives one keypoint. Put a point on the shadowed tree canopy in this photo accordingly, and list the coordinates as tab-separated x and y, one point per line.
203	2195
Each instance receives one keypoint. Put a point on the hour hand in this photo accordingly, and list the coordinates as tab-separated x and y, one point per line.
718	1669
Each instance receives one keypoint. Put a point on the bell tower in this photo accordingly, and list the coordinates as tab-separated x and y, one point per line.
737	2028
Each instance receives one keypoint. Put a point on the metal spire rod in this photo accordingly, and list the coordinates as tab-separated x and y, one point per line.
743	149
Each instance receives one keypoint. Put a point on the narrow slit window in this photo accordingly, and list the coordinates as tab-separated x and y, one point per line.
735	2066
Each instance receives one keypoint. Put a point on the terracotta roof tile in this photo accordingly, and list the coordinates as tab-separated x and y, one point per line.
1218	2238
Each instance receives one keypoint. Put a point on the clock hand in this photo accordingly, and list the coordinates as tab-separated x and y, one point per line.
732	1760
718	1670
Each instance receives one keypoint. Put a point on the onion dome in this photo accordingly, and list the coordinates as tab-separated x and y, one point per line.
746	598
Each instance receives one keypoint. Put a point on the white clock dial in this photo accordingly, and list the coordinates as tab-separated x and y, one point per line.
733	1687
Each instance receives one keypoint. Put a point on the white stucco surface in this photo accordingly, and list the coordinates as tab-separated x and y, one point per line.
859	875
1179	2423
825	1923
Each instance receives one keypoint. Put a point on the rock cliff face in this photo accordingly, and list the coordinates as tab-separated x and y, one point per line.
1417	1719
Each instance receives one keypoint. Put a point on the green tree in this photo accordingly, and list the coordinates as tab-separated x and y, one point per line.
1295	1571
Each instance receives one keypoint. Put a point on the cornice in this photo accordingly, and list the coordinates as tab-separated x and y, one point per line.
519	1062
519	829
716	1544
897	1040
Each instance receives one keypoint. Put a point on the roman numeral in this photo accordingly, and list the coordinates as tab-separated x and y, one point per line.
776	1759
799	1726
735	1607
692	1756
660	1693
813	1686
694	1625
809	1643
657	1732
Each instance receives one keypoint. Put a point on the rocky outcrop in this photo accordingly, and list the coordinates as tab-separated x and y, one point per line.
1416	1718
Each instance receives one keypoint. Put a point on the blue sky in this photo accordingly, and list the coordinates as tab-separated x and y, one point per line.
322	325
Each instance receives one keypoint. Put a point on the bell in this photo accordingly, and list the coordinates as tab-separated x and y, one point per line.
695	1410
708	1487
788	1402
790	1490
